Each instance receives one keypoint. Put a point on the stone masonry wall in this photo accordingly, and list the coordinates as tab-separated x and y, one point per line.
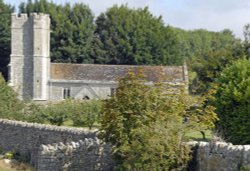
26	138
62	148
221	156
88	155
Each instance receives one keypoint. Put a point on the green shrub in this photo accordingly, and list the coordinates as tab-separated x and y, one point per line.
9	155
57	113
34	112
82	113
10	106
232	101
86	113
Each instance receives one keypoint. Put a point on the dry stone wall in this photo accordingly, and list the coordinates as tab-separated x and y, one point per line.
88	155
52	148
26	138
221	156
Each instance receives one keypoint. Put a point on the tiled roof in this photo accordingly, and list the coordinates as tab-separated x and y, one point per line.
62	71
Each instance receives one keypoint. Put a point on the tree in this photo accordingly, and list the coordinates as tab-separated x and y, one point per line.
72	29
135	37
221	49
232	102
246	42
146	124
10	106
5	12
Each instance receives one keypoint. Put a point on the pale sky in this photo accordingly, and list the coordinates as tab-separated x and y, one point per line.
213	15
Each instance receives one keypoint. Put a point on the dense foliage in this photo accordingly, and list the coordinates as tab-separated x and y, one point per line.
134	36
10	106
207	53
86	113
145	124
81	113
232	101
5	11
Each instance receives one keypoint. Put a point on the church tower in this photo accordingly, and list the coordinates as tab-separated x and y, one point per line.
29	68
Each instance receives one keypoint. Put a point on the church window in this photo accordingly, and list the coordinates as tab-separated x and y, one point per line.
66	92
112	91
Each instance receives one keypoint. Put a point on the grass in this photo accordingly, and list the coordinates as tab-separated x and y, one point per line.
197	136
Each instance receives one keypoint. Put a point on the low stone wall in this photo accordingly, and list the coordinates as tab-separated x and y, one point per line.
87	155
26	138
221	156
52	148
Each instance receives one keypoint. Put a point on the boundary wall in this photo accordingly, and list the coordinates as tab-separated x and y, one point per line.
53	148
88	155
220	156
26	138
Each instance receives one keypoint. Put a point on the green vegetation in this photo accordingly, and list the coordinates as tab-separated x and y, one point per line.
10	106
207	53
5	12
232	101
146	124
86	113
197	136
9	155
134	36
73	112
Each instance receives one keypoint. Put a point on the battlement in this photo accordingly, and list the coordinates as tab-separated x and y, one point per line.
40	20
24	16
39	16
21	18
16	16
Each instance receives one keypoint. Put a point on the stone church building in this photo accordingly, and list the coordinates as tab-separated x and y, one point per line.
34	77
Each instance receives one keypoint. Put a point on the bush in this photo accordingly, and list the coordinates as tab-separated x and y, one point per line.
34	112
145	124
82	113
58	113
86	113
232	101
9	155
10	106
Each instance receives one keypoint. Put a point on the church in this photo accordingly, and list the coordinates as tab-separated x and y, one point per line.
34	77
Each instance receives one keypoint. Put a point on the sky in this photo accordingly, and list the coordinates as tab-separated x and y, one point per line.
213	15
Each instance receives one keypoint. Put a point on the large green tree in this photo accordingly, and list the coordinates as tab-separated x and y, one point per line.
207	53
232	102
72	29
5	12
146	124
134	36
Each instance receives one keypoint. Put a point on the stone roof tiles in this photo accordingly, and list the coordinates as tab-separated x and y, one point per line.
63	71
